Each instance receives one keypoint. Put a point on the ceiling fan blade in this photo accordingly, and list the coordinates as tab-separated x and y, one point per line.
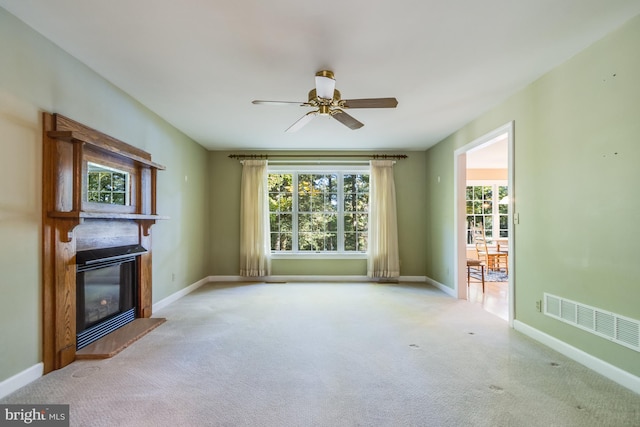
259	102
346	119
371	103
302	121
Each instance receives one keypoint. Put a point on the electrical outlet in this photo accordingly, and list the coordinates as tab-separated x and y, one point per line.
173	277
539	305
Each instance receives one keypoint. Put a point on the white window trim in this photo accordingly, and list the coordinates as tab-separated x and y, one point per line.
318	255
340	169
493	183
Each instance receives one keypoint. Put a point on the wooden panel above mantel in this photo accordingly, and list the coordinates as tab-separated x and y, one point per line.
85	133
102	143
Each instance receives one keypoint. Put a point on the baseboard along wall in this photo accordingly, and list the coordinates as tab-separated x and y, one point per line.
21	379
605	369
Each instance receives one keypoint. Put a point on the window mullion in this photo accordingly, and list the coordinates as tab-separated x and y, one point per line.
340	218
294	214
495	217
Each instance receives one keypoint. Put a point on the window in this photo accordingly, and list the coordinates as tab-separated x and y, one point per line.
487	205
318	210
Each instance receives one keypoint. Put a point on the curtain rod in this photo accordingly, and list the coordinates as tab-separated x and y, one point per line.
317	156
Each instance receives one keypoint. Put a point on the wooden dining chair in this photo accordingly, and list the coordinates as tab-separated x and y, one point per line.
475	269
493	259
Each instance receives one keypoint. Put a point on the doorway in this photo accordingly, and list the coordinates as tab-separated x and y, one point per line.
478	151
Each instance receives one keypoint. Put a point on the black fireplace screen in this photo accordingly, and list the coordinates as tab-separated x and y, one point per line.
105	291
105	296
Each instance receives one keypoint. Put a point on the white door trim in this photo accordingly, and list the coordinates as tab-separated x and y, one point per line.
459	209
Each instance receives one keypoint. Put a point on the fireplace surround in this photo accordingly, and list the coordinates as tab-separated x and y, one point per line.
76	228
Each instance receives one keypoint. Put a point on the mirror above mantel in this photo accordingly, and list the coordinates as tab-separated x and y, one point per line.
107	185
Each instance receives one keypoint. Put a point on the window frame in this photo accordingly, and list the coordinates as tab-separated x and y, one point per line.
495	214
340	171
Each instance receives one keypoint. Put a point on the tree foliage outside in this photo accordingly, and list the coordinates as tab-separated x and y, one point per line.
281	211
356	212
319	218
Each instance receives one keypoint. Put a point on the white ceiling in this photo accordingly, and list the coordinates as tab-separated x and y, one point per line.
200	63
494	155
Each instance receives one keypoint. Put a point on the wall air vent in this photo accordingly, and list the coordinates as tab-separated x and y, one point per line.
614	327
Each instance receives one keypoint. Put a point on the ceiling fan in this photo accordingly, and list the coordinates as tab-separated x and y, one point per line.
325	98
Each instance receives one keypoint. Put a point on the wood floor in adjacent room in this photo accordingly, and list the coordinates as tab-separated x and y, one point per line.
494	299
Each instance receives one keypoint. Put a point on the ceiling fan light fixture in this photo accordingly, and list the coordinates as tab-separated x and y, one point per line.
328	102
325	84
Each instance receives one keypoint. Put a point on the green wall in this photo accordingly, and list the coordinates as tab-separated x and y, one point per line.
576	179
225	231
37	76
576	174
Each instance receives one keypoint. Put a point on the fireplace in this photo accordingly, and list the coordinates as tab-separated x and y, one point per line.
106	291
82	214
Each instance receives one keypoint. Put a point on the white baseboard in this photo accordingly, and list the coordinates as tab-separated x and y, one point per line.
234	279
289	278
310	278
21	379
421	279
176	296
605	369
447	290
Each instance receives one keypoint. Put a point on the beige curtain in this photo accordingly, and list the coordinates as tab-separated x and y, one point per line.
254	217
383	258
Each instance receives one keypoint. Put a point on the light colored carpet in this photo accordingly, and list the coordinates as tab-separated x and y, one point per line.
331	354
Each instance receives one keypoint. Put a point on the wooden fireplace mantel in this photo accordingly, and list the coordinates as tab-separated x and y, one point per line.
71	223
